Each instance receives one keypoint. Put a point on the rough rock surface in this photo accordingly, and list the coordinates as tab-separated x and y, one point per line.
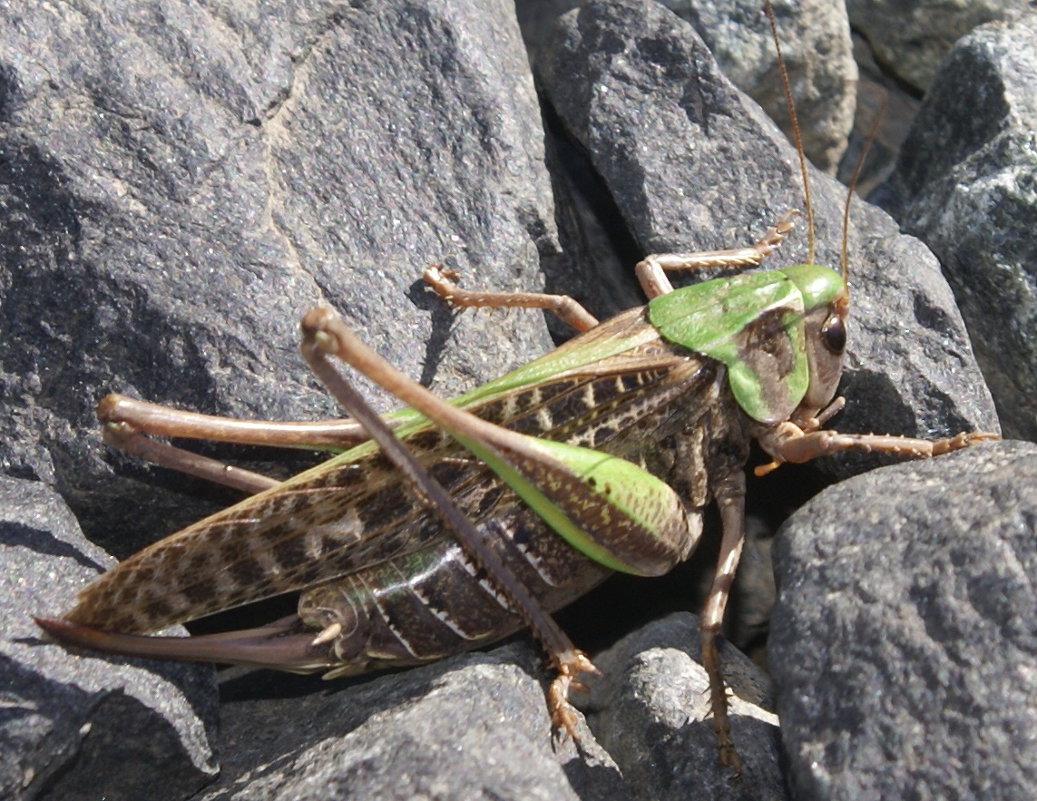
181	183
464	728
650	711
903	642
121	722
824	89
911	38
966	184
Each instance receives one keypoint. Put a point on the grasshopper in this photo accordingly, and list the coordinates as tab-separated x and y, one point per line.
515	498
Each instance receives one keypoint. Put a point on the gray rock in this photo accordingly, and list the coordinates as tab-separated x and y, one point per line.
885	110
470	727
179	183
903	643
171	210
651	712
966	184
818	54
737	33
83	726
911	38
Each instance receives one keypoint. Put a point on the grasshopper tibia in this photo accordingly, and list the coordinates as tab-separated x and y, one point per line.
729	491
651	270
286	643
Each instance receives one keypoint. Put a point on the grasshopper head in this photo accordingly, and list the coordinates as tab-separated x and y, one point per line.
826	307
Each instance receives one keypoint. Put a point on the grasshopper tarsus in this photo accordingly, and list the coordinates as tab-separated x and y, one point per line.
563	715
719	701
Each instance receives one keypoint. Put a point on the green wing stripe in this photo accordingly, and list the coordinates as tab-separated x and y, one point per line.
579	492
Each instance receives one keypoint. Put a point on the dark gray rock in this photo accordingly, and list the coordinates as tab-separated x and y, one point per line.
737	33
83	726
903	643
470	727
966	184
693	165
179	185
911	38
885	110
651	712
824	88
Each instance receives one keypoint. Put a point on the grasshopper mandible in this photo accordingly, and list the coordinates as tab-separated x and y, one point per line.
706	369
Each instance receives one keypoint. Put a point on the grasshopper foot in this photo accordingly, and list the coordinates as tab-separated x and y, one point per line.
563	715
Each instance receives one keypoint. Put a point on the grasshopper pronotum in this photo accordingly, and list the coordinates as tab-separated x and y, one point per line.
705	369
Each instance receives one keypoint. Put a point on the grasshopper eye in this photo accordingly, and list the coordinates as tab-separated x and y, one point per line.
833	334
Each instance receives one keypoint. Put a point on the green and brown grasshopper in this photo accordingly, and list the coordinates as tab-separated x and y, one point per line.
599	456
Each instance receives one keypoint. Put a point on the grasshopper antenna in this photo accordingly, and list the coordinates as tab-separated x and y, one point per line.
872	133
796	138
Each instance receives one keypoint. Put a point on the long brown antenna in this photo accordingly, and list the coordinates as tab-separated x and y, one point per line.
796	138
844	262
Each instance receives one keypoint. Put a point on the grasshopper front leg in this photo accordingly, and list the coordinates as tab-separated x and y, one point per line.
650	271
788	442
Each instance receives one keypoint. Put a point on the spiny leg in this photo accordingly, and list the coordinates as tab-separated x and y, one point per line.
650	273
651	270
129	424
325	335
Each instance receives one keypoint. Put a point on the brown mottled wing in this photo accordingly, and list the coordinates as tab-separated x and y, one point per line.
328	521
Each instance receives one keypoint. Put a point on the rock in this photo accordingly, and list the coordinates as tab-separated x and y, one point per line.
885	110
164	236
965	185
650	711
178	185
824	88
912	38
738	35
80	726
470	727
903	641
